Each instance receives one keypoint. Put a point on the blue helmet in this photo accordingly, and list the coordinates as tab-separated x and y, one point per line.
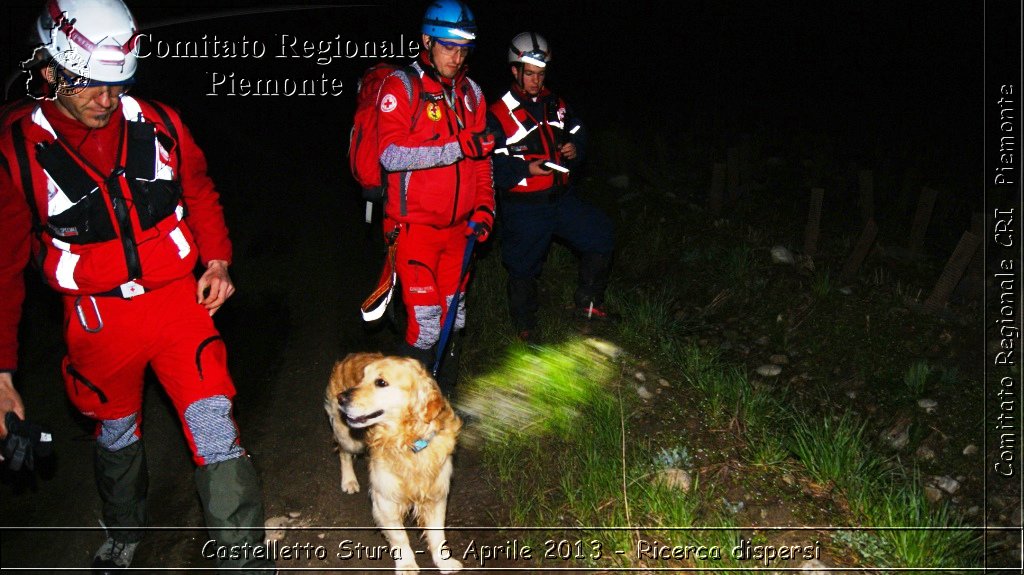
449	19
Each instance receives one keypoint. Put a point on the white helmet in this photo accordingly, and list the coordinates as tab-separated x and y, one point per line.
95	39
529	48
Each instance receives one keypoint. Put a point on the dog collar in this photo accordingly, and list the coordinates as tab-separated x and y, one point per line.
422	443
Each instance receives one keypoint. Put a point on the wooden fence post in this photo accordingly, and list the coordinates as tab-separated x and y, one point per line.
860	251
921	218
813	222
951	274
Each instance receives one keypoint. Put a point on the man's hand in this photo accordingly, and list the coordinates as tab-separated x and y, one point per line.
9	401
219	284
476	144
568	151
480	223
537	168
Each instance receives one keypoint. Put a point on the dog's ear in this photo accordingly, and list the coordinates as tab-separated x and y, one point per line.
430	401
348	372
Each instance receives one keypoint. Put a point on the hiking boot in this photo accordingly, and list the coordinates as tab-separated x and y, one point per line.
113	554
596	313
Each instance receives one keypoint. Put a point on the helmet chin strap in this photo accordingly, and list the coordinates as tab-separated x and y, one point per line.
433	65
430	52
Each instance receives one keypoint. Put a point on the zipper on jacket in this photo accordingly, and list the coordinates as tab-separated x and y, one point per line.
458	180
458	173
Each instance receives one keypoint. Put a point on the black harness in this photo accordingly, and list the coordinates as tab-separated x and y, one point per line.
88	220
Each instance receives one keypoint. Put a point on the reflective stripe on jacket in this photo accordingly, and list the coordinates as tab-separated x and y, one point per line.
429	179
533	130
100	230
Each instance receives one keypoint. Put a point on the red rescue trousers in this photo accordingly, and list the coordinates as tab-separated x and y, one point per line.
429	263
110	342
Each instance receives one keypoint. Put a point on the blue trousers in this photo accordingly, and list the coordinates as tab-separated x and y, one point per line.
527	230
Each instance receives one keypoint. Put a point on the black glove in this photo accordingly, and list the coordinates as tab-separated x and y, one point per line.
25	441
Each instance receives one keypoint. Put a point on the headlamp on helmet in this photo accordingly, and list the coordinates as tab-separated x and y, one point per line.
94	39
529	48
449	19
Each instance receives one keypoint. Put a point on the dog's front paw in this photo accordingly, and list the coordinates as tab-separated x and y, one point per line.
350	485
407	567
449	565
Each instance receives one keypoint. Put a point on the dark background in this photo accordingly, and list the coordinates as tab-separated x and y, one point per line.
860	71
891	85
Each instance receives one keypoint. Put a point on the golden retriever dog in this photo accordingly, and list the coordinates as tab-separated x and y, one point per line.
410	431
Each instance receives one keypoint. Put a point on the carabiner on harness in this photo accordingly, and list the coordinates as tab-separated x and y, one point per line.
81	315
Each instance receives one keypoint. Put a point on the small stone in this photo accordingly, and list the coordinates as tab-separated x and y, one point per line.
898	435
816	566
609	350
643	393
970	449
764	513
845	290
781	255
664	382
928	405
788	479
294	514
932	493
733	507
640	376
274	531
925	453
851	394
769	370
779	359
675	479
945	483
972	510
321	535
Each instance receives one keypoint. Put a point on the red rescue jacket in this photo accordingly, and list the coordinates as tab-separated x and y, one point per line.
533	129
429	180
125	208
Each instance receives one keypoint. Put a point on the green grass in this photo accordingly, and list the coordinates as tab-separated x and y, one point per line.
565	441
559	406
923	534
833	450
822	284
912	531
916	378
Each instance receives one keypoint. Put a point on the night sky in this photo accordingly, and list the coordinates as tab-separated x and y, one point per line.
909	72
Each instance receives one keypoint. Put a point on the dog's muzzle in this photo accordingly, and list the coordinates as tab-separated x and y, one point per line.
363	420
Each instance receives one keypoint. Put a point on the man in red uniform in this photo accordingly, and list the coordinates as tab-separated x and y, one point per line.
541	143
110	195
434	148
